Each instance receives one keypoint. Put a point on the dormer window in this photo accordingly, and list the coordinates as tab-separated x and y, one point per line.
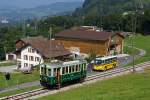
29	50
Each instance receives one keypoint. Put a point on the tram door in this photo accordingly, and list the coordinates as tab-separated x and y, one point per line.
82	70
58	77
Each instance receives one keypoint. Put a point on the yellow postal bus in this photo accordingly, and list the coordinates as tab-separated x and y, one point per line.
104	63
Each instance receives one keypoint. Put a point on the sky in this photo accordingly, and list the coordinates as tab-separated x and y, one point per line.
29	3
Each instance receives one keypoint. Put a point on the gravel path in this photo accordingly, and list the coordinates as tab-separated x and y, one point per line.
22	86
124	60
9	69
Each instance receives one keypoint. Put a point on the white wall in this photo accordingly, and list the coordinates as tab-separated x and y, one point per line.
14	56
29	62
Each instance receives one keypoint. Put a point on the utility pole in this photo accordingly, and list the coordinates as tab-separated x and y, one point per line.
134	26
134	22
101	16
24	27
50	40
35	26
133	34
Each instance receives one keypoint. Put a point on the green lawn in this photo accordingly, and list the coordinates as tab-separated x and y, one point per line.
135	86
19	91
142	42
18	78
128	50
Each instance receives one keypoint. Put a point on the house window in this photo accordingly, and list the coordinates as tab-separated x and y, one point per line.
31	58
25	57
37	59
29	49
32	50
25	65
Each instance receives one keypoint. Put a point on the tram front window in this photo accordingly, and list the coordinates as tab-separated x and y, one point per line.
44	71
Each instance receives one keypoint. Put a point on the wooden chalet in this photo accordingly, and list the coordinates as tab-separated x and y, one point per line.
91	39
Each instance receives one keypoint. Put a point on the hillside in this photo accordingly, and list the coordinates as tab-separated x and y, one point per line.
106	7
40	11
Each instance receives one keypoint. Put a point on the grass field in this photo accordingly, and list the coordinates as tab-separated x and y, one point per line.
142	42
134	86
128	50
18	91
18	78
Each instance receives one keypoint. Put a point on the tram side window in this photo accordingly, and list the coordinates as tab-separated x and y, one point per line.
63	70
66	70
76	68
42	70
49	72
55	72
69	69
73	68
80	66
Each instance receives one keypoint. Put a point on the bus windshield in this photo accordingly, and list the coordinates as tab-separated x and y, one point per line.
98	62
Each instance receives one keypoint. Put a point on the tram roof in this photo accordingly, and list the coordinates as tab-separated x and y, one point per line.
107	57
62	64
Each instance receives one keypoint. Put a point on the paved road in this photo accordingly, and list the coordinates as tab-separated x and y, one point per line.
124	60
9	69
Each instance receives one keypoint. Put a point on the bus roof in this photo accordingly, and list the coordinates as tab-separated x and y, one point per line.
106	57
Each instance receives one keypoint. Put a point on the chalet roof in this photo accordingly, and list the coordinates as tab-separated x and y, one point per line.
48	48
86	34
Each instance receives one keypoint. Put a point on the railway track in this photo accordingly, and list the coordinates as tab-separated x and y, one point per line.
26	95
115	71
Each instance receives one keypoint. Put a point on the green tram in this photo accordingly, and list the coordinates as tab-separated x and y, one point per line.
59	73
